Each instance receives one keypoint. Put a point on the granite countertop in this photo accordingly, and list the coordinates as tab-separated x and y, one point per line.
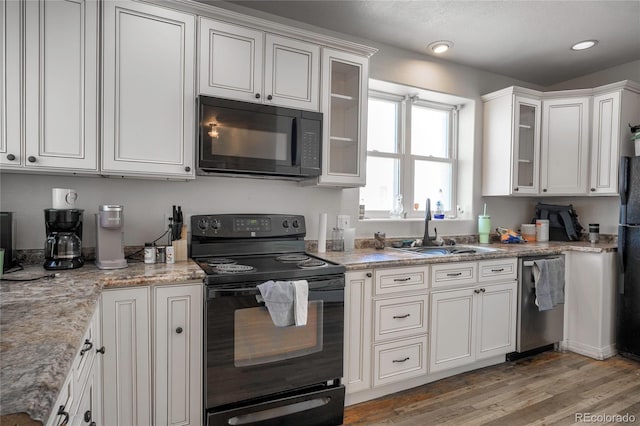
390	257
42	323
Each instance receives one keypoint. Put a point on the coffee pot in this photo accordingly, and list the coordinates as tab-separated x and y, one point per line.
63	246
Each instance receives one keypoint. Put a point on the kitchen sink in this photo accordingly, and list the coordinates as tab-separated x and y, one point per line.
449	250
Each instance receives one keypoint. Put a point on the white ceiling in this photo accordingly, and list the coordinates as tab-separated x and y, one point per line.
526	40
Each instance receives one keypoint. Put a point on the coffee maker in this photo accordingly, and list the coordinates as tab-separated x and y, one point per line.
63	247
110	237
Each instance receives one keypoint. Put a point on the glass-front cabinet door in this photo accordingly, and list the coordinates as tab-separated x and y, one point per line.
526	150
344	105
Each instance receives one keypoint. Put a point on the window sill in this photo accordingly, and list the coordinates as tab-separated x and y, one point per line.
409	219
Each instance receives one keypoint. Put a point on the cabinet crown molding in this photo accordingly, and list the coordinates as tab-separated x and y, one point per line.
517	90
215	12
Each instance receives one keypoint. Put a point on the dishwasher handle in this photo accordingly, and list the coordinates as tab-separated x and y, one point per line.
529	263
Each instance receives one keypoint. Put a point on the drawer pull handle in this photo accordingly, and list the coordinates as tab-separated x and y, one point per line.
87	347
401	360
454	274
401	316
497	270
64	414
401	279
100	351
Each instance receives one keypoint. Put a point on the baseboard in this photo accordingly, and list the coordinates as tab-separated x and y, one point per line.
591	351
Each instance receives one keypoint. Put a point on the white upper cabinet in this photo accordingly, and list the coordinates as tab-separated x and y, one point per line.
344	104
241	63
552	143
148	91
511	150
565	146
60	81
231	60
613	111
10	134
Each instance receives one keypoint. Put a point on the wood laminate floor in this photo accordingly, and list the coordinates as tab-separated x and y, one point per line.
546	389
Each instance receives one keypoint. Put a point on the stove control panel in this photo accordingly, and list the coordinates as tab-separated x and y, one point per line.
247	226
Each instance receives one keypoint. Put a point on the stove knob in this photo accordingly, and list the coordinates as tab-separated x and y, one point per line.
203	224
215	224
285	223
296	224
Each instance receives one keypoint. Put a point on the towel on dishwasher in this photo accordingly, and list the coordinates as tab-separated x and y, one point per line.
548	278
286	301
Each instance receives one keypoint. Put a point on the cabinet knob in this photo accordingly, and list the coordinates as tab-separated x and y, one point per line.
187	169
11	157
269	97
369	275
593	190
179	330
516	189
31	159
476	291
483	290
100	351
257	95
87	416
544	190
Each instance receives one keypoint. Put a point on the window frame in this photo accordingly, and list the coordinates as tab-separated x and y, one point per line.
404	181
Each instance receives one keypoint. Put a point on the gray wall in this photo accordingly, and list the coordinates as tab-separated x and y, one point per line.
148	201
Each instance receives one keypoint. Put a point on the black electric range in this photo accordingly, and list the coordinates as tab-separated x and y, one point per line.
255	370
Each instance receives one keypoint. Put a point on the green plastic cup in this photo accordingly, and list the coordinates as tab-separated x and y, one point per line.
484	228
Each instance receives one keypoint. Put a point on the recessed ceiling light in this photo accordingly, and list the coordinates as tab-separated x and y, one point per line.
584	44
440	46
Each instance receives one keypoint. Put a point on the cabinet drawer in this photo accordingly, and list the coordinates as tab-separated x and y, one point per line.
400	316
498	270
400	360
399	280
454	273
85	357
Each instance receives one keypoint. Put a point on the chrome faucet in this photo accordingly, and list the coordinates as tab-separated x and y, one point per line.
427	240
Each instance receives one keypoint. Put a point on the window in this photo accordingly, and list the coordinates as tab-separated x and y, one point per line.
410	153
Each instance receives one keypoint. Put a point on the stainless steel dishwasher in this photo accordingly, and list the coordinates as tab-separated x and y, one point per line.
536	329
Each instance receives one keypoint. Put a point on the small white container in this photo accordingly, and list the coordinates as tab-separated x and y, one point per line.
349	239
150	253
542	230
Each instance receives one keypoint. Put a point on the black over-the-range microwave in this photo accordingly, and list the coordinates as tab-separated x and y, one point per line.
253	139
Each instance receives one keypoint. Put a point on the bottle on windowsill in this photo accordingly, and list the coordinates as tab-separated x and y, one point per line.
439	213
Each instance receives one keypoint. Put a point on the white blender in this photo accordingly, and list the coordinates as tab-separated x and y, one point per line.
110	237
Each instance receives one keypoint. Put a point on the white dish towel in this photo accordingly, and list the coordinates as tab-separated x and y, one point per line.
286	301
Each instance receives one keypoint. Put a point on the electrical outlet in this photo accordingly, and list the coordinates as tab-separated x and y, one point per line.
168	220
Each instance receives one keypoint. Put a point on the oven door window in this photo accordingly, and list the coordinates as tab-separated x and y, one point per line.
236	139
257	341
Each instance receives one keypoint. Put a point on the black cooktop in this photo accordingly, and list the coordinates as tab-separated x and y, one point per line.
264	267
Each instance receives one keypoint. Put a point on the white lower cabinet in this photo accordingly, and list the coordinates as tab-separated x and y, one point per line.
473	323
153	335
386	324
127	358
80	399
590	298
177	355
357	331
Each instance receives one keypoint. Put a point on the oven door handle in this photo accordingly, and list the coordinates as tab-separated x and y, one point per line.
329	293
